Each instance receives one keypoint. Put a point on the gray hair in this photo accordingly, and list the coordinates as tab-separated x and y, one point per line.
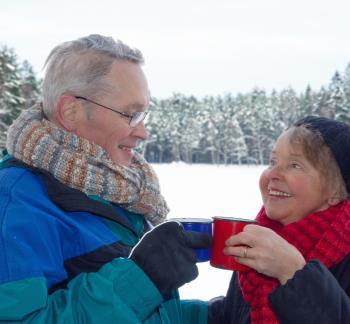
79	66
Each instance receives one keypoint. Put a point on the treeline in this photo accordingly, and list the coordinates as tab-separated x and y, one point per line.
237	129
229	129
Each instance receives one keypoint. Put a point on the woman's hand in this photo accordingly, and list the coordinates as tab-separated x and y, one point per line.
266	252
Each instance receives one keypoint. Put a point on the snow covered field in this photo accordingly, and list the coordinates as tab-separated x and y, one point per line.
204	191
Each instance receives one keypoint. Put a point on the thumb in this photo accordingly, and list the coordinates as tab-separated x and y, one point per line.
196	240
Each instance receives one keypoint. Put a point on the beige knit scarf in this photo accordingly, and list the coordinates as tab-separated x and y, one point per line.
85	166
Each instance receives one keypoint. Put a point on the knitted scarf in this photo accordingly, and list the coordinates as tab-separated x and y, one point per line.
85	166
323	235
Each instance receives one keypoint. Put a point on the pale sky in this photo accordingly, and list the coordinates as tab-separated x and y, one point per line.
199	47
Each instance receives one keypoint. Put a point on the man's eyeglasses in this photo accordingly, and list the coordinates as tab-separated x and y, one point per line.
134	119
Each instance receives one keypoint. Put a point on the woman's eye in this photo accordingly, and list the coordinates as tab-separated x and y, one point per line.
295	166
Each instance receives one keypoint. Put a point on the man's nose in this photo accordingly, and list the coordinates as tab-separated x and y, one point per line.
140	131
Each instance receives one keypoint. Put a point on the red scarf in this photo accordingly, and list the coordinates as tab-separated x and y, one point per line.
323	235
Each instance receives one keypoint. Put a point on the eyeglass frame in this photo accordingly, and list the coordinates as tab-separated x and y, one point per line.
140	114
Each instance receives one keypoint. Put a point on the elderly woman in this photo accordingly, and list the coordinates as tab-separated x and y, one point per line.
299	251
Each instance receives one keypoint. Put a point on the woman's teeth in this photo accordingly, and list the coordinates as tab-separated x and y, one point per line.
279	193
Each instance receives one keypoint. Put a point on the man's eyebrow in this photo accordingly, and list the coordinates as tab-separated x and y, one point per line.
132	107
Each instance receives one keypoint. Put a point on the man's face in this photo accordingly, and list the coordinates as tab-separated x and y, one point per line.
109	129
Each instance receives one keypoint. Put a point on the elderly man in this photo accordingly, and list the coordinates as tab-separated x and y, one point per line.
76	199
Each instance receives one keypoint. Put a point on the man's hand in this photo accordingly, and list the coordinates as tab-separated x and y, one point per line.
166	254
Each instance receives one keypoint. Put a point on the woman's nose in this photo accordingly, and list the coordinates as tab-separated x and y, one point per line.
275	172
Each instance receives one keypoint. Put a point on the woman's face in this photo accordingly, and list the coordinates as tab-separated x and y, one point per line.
291	187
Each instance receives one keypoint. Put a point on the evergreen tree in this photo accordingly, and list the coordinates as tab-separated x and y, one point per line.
278	124
29	84
308	102
157	146
234	146
3	129
322	102
19	89
11	97
209	127
190	129
336	99
289	106
346	95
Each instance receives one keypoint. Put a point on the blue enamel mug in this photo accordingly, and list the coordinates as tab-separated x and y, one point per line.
203	225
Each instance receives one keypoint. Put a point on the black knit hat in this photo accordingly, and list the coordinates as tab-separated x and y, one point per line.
337	136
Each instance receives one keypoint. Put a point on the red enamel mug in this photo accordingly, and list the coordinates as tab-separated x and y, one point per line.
223	228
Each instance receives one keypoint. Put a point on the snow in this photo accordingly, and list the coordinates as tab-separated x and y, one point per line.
204	191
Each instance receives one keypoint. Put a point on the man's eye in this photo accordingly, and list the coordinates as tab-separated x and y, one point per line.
272	162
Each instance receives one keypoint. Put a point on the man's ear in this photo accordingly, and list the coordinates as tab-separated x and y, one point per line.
68	108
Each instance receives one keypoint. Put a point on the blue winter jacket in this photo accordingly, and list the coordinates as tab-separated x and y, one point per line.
63	258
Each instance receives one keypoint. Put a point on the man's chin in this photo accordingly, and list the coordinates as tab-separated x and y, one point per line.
122	159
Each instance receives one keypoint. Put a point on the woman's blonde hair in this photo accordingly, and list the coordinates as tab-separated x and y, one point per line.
321	157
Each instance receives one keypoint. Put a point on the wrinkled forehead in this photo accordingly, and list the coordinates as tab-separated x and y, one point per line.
309	143
296	142
127	86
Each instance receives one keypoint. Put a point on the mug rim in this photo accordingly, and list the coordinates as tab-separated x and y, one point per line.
234	219
191	220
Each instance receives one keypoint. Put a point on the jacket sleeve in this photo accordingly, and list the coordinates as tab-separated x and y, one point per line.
118	293
313	295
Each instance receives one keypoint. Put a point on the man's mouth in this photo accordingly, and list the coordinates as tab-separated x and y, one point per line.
126	148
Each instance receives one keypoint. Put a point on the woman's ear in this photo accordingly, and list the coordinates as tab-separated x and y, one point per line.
334	200
67	112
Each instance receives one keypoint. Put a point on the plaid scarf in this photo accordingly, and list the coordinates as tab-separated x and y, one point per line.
323	235
85	166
